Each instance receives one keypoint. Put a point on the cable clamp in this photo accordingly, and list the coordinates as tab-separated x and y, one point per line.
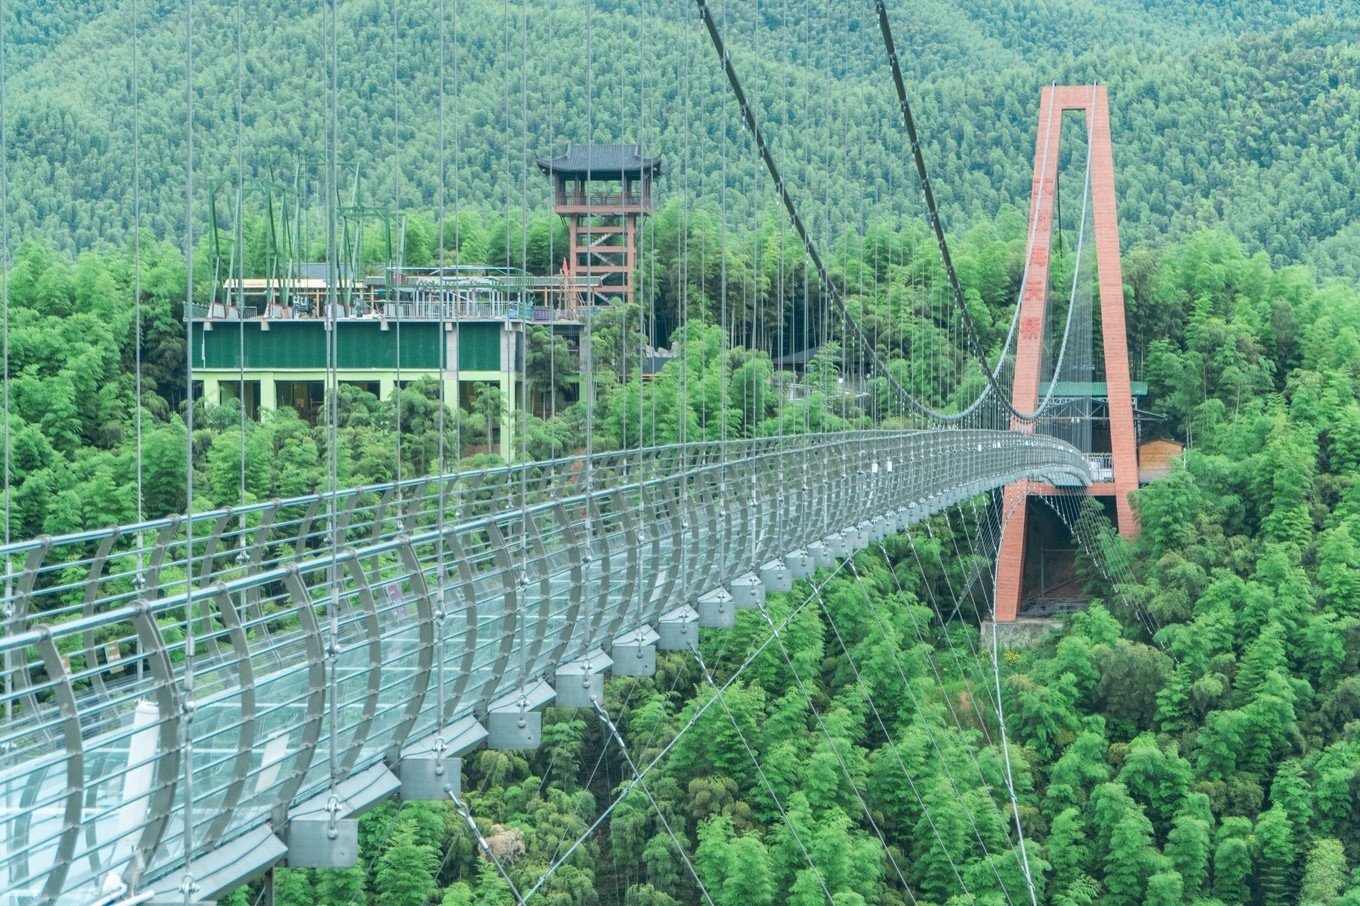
333	808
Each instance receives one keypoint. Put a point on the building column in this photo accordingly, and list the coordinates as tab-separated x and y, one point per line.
509	414
269	392
212	391
1010	556
630	258
1109	274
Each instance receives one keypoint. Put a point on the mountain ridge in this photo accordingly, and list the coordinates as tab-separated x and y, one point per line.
975	70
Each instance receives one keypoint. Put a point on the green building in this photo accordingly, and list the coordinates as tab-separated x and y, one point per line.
462	326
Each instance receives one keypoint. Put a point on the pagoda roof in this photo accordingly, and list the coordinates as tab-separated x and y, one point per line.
601	161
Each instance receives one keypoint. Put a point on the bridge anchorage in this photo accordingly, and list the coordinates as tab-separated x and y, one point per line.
382	664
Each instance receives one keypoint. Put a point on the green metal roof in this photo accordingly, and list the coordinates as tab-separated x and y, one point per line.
1096	389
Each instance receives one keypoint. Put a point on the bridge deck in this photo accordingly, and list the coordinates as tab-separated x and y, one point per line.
440	601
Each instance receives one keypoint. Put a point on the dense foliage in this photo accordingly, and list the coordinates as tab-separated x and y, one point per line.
1214	761
73	357
1193	738
1235	113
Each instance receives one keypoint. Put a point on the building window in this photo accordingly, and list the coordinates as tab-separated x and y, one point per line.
373	387
231	389
306	398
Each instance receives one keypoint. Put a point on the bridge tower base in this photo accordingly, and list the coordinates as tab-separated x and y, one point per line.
1122	479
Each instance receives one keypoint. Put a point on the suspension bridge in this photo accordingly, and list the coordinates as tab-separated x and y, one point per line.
193	699
319	666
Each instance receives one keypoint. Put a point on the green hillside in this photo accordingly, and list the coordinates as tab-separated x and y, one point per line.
1192	739
1237	113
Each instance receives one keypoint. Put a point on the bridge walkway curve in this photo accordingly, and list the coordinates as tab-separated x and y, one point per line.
351	648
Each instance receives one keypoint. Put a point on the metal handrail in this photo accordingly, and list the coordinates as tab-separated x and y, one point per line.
95	723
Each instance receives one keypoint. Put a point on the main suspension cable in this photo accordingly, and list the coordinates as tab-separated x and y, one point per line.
933	215
809	247
833	292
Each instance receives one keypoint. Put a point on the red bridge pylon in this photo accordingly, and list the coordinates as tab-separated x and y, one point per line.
1123	479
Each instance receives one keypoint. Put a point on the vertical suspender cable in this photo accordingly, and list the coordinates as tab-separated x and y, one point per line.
442	297
241	271
780	350
506	181
587	327
396	219
188	886
807	298
647	323
724	498
4	280
548	300
4	341
522	347
639	288
139	580
681	334
332	401
759	334
643	146
457	245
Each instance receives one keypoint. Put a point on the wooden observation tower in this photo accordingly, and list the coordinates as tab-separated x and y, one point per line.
603	219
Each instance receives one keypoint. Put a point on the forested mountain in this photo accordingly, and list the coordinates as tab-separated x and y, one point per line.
1193	738
1236	113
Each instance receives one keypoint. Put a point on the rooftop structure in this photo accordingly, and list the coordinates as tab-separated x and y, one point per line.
464	292
602	162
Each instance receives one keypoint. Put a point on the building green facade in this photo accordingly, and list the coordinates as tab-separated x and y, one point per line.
284	362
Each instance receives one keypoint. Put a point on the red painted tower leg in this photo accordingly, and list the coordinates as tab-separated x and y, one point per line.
1123	440
1034	319
1028	351
1011	556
